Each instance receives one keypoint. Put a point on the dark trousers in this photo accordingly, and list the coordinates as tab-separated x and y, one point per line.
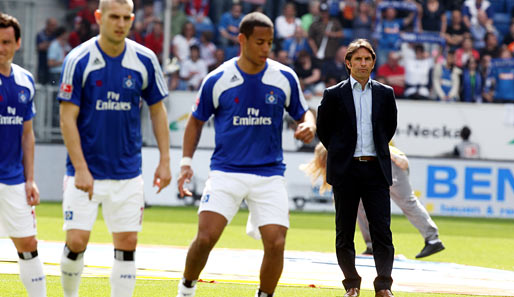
364	181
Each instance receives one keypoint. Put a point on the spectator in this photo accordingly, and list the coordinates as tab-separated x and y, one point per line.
466	52
446	79
43	40
286	23
466	148
456	31
183	42
472	82
325	35
393	73
480	29
484	66
88	14
309	74
219	56
346	11
417	74
229	29
312	16
178	18
136	33
253	5
508	40
193	70
282	57
363	22
390	29
499	86
491	46
198	14
302	6
56	53
433	18
146	16
335	68
81	32
470	11
218	8
297	43
154	40
207	48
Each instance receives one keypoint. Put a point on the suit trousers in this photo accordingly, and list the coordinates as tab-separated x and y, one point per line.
403	195
364	180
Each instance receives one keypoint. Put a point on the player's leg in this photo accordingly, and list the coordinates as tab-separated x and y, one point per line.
31	268
19	221
123	276
273	240
269	214
79	216
220	202
123	215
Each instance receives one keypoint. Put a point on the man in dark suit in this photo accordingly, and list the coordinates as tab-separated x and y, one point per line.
356	121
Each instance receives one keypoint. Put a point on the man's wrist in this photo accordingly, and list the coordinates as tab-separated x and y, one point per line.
186	161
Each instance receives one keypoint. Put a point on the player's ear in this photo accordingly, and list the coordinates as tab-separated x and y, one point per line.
18	43
132	17
241	38
348	64
98	16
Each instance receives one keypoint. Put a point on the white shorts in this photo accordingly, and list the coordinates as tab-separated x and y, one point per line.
266	198
122	204
17	218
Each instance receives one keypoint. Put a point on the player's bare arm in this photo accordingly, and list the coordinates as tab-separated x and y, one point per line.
162	176
70	133
306	127
27	145
192	135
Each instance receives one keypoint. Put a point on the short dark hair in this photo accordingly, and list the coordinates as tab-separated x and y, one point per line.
354	46
252	20
59	31
7	21
465	132
194	47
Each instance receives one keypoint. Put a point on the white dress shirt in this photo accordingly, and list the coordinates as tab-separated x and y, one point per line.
362	101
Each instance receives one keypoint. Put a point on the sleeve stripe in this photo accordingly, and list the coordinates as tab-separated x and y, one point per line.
159	77
71	63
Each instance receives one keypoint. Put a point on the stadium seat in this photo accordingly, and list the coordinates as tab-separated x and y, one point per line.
498	5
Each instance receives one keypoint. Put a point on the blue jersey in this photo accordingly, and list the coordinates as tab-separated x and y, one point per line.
16	107
108	91
248	113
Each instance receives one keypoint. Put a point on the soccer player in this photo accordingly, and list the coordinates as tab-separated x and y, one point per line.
247	96
102	83
18	191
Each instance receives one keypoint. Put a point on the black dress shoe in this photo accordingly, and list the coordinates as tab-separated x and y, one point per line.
384	293
352	292
430	249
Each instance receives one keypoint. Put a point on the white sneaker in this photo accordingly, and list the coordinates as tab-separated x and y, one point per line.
184	291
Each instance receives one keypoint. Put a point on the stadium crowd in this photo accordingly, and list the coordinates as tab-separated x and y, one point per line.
458	50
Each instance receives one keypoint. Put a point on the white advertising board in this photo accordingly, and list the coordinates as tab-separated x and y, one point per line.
425	128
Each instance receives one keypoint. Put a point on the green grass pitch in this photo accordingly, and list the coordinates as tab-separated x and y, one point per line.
477	242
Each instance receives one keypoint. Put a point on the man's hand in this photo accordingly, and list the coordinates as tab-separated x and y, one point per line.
186	173
32	193
84	181
305	132
162	176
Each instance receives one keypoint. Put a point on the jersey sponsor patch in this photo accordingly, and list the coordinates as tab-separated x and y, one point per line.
65	91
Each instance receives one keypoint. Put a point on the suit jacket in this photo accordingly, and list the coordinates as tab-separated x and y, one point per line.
337	127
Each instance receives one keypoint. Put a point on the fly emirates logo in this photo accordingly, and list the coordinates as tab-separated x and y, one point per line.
253	119
112	103
12	118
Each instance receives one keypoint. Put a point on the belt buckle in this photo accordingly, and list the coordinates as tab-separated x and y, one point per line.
361	159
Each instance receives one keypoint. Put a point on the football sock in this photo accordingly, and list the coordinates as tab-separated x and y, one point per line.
31	274
71	270
186	288
260	293
123	276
